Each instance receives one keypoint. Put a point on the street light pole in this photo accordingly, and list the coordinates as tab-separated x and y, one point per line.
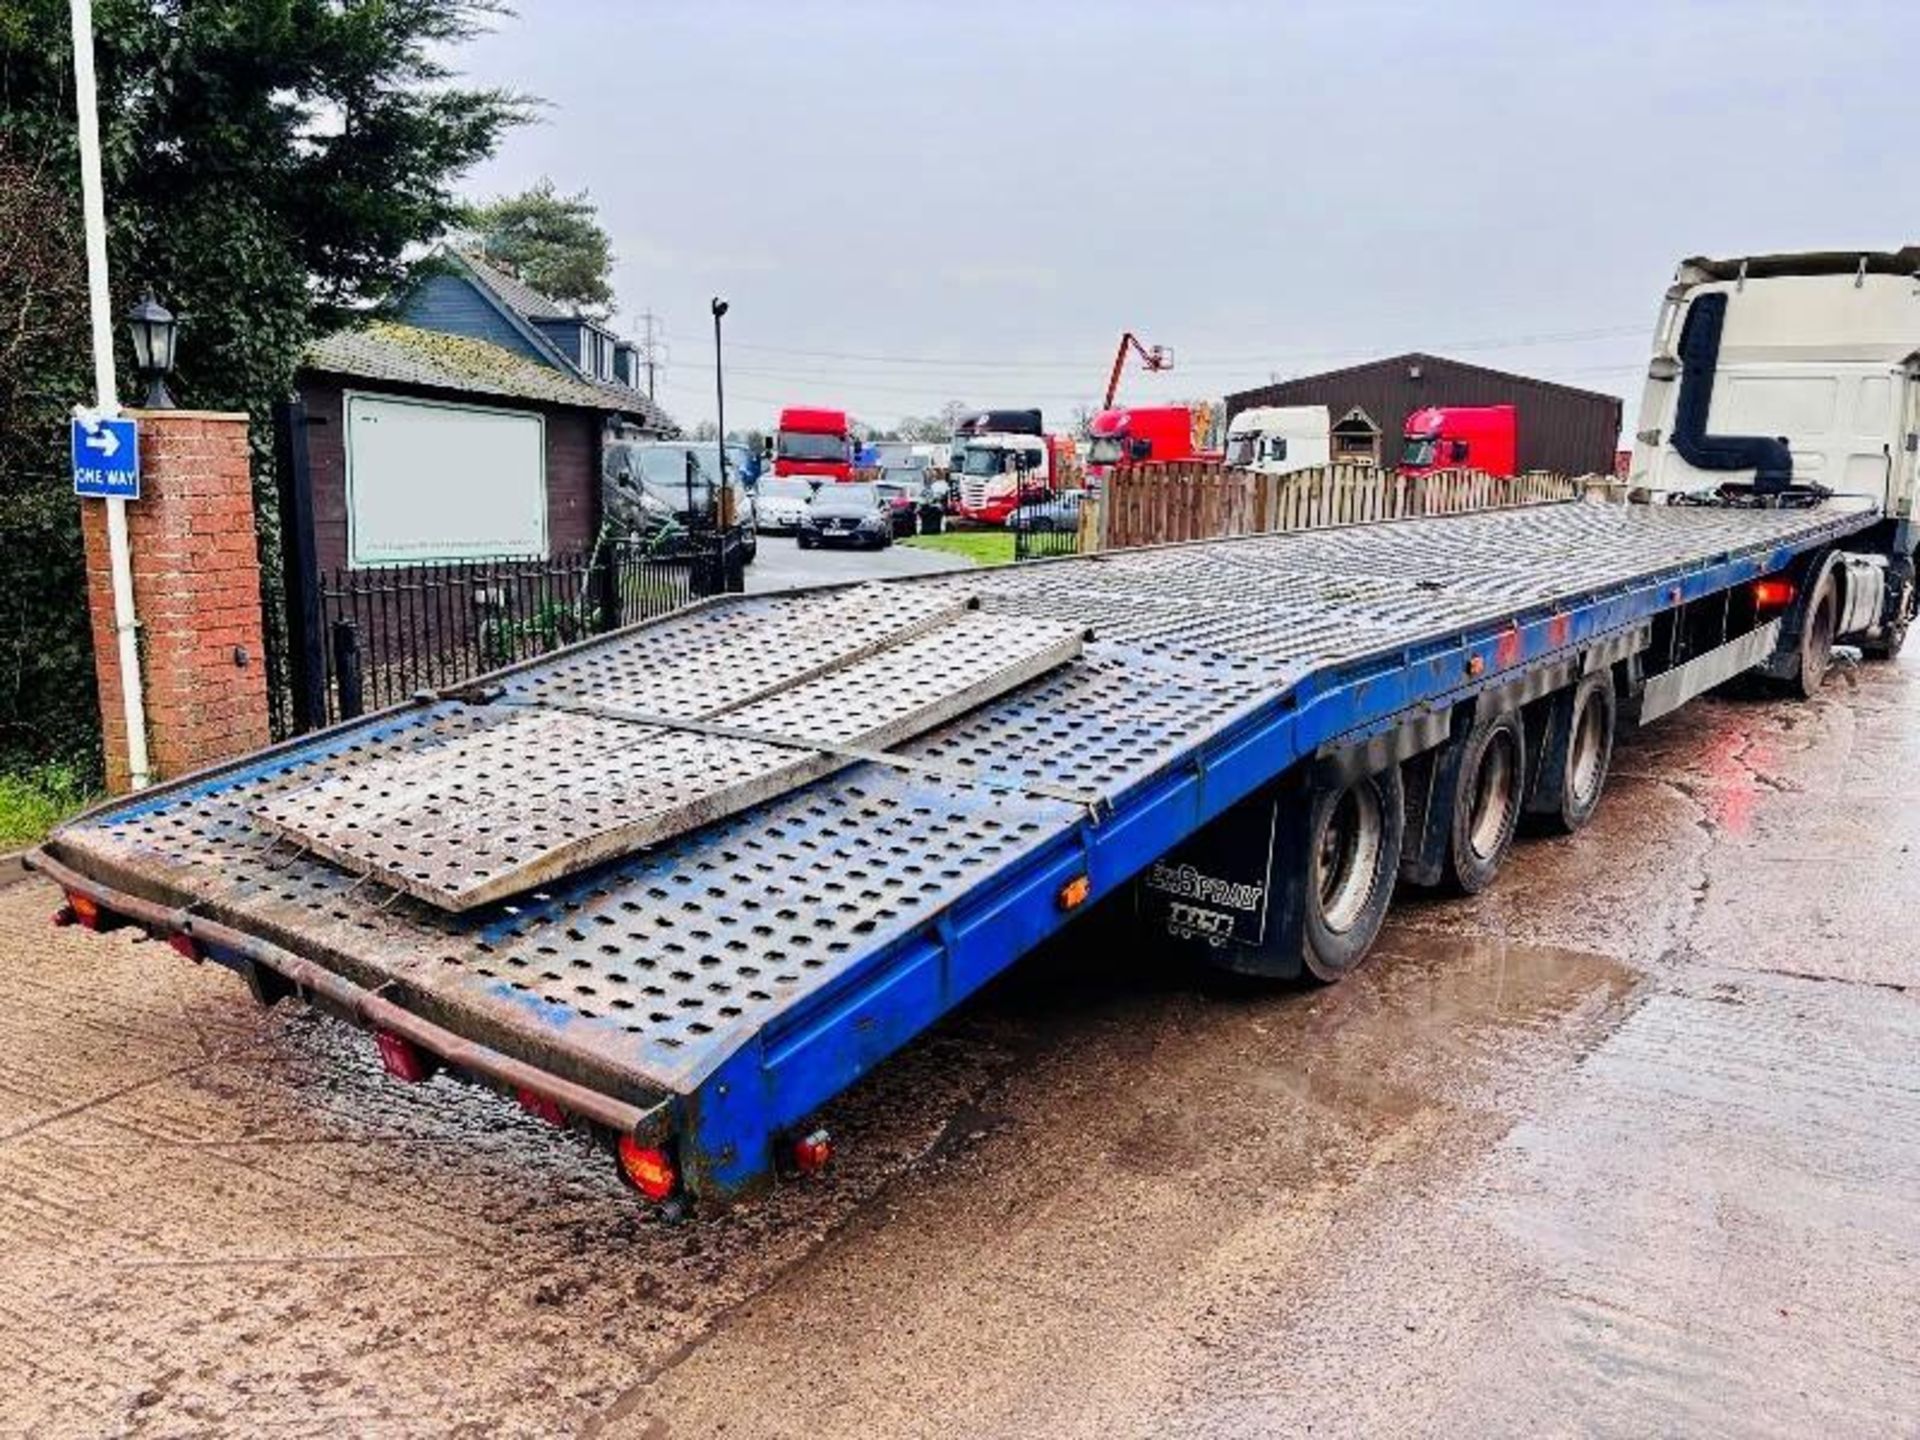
722	518
719	386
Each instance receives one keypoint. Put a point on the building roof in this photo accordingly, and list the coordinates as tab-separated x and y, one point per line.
1422	358
515	292
431	359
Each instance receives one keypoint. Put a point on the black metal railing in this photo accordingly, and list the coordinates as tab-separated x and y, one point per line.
1046	528
390	631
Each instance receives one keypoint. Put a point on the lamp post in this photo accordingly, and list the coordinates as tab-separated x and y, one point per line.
719	308
721	488
154	331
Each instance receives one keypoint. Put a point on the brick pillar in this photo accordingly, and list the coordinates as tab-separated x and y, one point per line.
196	592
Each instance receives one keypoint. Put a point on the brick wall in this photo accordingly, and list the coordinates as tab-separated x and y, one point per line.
196	586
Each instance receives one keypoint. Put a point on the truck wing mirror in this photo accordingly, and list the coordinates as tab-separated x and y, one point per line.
1457	452
1140	449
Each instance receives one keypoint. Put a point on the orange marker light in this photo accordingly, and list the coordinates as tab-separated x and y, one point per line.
647	1169
1074	893
86	910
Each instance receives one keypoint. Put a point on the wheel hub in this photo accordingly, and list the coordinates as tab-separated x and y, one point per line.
1347	856
1493	795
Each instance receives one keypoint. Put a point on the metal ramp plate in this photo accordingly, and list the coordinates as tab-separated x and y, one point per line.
557	783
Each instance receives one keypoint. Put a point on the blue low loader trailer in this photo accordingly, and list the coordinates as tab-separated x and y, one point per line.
677	887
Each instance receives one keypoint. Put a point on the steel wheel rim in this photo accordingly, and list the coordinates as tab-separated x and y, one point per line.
1588	740
1493	794
1347	856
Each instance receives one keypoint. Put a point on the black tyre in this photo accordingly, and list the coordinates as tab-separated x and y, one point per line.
1353	855
1888	645
1817	628
1894	639
1576	755
805	541
1489	792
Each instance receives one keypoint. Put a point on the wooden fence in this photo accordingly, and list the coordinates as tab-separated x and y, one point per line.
1156	504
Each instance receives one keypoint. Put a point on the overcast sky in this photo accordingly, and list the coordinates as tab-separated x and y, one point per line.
909	203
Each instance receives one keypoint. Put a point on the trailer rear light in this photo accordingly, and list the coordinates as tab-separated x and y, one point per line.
647	1169
1074	893
541	1107
1772	594
403	1059
82	910
812	1152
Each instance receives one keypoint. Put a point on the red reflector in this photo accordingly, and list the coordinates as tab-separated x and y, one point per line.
403	1059
647	1169
540	1106
812	1153
185	944
1772	594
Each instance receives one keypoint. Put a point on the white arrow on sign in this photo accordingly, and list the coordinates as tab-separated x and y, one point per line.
105	441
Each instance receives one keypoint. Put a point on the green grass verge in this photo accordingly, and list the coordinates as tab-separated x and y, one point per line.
983	547
33	801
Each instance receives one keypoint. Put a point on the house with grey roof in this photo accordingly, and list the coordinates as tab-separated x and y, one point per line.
464	293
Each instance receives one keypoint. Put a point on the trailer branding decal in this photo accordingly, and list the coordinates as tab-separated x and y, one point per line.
1215	888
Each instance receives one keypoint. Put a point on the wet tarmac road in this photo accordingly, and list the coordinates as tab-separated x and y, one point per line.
1629	1144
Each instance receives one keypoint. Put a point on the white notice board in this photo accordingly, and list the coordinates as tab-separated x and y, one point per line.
431	481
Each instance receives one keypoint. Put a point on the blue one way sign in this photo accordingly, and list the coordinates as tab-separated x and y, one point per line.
106	457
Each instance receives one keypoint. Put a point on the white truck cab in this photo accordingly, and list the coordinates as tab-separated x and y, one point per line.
1787	369
1279	439
1784	379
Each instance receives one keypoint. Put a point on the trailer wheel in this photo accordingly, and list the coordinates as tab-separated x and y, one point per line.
1578	750
1816	637
1488	795
1353	855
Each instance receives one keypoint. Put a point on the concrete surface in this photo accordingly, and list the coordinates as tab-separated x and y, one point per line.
783	565
1629	1145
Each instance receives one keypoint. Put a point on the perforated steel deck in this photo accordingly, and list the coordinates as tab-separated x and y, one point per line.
646	973
545	792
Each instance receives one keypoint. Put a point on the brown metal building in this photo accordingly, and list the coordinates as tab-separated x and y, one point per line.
1569	431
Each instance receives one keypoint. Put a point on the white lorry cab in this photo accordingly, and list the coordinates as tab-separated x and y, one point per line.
1782	379
1786	370
1279	439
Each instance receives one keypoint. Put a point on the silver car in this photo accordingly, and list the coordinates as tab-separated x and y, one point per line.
780	503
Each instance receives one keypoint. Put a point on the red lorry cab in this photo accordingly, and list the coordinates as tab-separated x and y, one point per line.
1139	432
1460	437
813	442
